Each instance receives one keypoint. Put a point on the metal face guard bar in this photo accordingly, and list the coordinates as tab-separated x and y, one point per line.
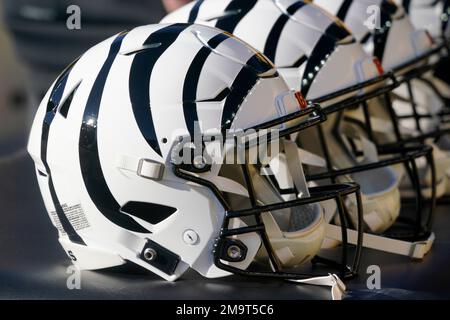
404	151
400	152
359	98
314	111
405	76
308	117
317	194
401	146
441	51
316	116
407	156
398	76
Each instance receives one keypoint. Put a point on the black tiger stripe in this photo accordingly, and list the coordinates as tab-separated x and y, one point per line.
273	38
241	7
366	38
52	106
91	169
381	35
139	81
324	47
192	79
337	30
406	4
243	83
343	9
445	13
300	61
194	11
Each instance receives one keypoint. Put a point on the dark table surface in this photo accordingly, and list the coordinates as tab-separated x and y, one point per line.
33	265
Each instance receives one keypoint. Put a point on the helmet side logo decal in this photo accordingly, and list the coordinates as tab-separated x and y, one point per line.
52	106
88	148
229	22
275	34
191	82
140	75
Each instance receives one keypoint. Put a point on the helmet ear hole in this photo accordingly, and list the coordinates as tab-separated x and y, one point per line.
232	250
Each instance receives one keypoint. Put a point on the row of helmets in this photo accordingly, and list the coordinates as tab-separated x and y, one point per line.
262	138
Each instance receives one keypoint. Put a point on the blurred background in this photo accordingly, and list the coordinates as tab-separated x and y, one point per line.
36	44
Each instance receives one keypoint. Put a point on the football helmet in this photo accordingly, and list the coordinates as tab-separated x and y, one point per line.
434	16
124	178
418	104
429	14
317	55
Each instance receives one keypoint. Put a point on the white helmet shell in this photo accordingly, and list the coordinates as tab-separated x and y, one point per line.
102	143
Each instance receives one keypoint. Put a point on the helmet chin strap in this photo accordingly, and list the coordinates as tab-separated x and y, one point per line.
294	157
295	167
384	128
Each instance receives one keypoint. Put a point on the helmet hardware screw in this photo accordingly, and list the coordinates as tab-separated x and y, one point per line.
234	252
150	254
190	237
199	162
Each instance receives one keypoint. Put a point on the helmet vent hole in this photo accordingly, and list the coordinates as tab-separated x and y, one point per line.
150	212
64	108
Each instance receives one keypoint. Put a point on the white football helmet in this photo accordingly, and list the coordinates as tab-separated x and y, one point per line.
316	54
429	14
434	16
419	100
107	141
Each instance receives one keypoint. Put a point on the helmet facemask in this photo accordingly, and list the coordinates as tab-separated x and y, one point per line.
349	143
291	230
416	109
